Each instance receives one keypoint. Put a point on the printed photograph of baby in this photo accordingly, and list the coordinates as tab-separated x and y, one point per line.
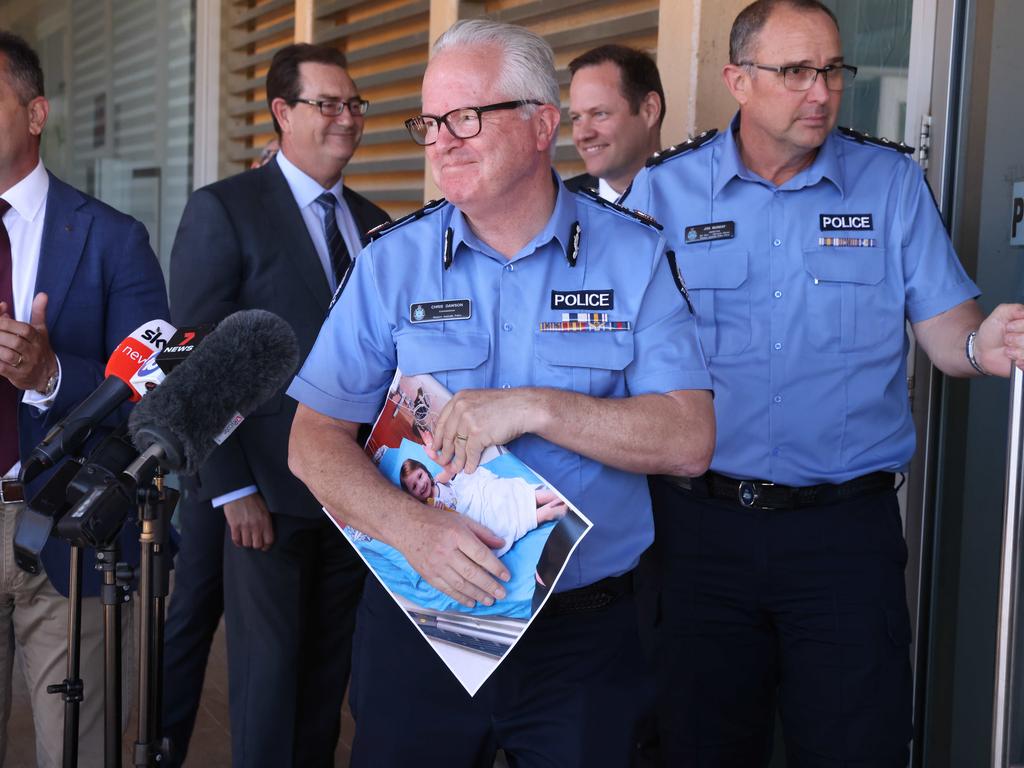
538	526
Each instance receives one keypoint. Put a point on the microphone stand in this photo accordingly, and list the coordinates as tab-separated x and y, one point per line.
115	592
156	503
71	689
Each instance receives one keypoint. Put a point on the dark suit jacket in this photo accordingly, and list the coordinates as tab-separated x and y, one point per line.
103	281
576	183
242	244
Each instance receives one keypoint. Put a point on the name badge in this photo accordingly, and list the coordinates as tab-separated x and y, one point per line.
437	311
834	222
595	300
705	233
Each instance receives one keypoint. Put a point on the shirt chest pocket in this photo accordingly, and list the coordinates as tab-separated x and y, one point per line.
717	281
847	305
456	360
589	362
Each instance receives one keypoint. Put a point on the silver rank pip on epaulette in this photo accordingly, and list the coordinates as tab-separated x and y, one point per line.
383	229
864	138
678	149
644	218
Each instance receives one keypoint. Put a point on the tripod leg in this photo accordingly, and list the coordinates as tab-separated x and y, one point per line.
113	595
71	688
156	507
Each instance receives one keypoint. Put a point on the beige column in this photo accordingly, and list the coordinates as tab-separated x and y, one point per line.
304	21
693	46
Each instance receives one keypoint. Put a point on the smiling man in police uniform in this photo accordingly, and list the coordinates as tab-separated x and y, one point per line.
805	248
471	291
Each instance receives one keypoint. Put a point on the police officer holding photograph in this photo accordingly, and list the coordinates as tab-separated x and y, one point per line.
805	248
592	409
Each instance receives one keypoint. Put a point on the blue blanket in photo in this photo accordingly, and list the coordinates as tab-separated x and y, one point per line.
394	570
521	560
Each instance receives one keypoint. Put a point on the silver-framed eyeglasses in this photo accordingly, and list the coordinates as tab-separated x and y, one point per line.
333	107
464	123
798	77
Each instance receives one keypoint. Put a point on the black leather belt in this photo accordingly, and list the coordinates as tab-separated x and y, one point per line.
11	492
592	597
761	494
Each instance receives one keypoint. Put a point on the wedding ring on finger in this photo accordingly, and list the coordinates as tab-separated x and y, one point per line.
460	436
21	359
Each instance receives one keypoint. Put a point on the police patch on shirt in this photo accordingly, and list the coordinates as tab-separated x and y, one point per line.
841	222
437	311
595	300
706	233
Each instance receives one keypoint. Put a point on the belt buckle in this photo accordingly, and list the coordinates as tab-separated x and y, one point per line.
4	483
748	493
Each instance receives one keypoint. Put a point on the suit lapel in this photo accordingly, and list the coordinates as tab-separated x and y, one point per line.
286	220
65	230
366	217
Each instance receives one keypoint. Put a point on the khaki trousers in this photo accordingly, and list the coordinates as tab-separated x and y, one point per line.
34	620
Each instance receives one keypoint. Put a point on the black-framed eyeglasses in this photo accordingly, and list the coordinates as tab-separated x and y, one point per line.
333	107
797	77
464	123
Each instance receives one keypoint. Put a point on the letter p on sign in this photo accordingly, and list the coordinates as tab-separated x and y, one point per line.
1017	217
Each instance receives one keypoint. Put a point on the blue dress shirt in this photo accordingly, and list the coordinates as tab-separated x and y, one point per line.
801	311
371	330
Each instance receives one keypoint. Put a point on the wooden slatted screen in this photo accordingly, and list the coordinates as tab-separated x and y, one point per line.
254	31
386	43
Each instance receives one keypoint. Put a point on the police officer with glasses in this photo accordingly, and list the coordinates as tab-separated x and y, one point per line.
591	411
805	248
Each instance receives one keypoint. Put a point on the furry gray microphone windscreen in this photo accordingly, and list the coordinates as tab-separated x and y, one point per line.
245	361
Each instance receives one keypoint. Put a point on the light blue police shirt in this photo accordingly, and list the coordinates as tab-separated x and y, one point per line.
801	312
371	330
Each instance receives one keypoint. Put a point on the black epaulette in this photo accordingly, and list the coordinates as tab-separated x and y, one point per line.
659	157
863	138
644	218
382	229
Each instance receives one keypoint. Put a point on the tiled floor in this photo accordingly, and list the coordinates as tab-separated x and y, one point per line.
211	744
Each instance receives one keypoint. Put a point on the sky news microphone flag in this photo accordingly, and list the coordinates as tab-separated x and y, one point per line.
75	428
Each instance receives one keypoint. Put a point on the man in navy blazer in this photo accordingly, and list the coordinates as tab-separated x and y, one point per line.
76	277
282	238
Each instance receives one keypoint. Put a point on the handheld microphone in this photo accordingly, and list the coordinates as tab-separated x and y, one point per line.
75	428
244	362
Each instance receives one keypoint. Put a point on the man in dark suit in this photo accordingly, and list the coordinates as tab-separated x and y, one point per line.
616	106
76	277
282	238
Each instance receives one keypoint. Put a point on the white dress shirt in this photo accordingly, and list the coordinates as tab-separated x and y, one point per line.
306	190
605	190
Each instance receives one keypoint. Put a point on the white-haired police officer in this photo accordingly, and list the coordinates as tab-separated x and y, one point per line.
472	291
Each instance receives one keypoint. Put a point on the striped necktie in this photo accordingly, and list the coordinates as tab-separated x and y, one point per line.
336	248
9	394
